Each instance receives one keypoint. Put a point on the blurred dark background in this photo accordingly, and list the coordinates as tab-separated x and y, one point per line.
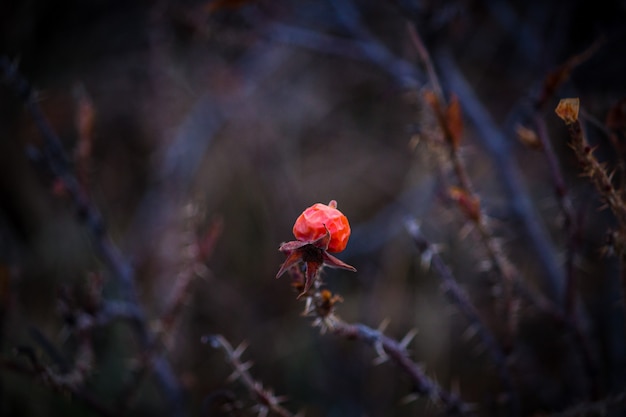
254	110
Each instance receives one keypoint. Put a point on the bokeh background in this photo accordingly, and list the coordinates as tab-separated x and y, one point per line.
253	110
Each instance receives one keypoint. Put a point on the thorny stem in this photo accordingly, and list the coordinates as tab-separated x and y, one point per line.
596	171
614	198
494	249
55	160
266	400
495	144
458	296
572	230
320	305
397	352
565	205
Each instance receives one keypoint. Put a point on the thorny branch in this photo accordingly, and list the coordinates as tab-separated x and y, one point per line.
53	157
266	400
590	167
456	294
396	351
496	145
448	116
35	369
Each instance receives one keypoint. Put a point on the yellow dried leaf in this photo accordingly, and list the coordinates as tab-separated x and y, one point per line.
567	110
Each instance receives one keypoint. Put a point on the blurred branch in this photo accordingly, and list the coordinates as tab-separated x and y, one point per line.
39	372
404	73
196	250
361	46
598	408
62	376
572	230
497	146
522	31
456	294
449	117
54	157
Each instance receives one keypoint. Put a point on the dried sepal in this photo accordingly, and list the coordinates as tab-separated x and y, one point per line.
314	256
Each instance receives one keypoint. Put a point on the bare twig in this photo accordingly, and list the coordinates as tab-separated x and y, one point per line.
55	159
39	372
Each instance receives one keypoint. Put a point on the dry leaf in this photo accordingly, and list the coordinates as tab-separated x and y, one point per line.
454	120
567	110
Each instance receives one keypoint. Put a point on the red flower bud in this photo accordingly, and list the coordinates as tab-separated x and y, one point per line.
315	220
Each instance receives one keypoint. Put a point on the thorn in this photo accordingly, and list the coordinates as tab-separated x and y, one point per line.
240	349
308	306
379	360
246	365
201	270
407	339
233	377
413	227
426	258
263	411
409	398
383	325
380	351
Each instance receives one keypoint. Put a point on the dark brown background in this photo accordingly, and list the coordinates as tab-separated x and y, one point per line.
232	111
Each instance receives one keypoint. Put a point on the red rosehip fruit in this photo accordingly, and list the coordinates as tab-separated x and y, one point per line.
313	222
